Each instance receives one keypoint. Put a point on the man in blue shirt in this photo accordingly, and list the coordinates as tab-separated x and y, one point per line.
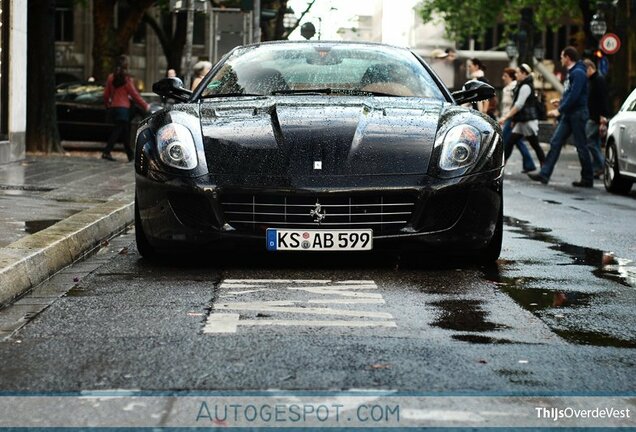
573	113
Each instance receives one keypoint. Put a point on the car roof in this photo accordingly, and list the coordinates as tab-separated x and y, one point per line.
327	42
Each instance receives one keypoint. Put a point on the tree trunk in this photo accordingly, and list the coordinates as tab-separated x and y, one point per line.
172	46
108	41
42	133
104	48
622	65
272	29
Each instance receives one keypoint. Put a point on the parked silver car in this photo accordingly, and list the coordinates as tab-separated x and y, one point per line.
620	152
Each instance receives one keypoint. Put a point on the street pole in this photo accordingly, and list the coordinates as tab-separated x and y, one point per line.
187	60
256	22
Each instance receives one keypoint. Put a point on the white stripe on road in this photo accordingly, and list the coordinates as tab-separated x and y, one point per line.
347	292
370	282
228	323
230	281
221	323
245	292
336	287
300	310
234	286
319	323
338	292
348	301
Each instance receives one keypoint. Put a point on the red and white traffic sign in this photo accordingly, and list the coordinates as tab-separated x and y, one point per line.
610	43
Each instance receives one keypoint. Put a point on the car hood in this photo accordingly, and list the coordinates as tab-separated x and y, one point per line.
319	136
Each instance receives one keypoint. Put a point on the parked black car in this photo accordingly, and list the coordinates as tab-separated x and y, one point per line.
82	116
320	146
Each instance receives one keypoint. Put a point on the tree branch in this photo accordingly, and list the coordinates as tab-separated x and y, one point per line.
161	35
302	15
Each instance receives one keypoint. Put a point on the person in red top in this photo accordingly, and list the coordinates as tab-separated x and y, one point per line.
118	93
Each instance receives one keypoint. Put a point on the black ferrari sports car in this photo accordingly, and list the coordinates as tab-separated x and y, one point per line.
320	146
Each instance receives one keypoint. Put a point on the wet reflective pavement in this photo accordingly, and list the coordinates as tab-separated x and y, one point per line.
42	190
555	314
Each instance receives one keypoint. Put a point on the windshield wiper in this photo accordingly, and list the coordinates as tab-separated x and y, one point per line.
330	91
218	95
303	92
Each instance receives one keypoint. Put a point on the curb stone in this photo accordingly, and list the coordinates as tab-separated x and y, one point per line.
33	259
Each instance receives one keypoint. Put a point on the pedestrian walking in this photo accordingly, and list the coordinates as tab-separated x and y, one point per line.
509	79
573	115
598	105
200	70
118	93
524	114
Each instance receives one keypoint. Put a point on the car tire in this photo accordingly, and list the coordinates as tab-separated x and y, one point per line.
491	253
612	179
143	246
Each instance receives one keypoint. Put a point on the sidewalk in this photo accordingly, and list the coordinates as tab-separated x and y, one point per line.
54	209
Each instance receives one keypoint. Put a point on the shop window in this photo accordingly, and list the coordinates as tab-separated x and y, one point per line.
64	21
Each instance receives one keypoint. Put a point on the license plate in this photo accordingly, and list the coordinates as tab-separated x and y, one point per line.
319	240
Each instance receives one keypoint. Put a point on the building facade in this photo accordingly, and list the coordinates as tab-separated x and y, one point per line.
13	69
212	37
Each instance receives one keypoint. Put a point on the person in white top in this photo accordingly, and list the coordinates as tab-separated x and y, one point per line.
524	114
509	79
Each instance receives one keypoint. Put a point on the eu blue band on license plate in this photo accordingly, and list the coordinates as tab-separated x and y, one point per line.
319	240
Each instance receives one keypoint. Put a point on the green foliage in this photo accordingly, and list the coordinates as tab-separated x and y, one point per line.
464	19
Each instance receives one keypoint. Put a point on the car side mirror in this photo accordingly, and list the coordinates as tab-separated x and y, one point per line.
473	91
172	88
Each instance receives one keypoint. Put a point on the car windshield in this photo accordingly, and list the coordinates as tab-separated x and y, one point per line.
630	102
308	69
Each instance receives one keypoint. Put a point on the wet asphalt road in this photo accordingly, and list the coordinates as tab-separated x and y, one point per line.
555	314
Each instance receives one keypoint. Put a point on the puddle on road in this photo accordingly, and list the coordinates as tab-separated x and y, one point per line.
535	299
538	301
464	315
480	339
607	266
31	227
31	188
77	291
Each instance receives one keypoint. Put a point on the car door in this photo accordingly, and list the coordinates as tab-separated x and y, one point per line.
81	114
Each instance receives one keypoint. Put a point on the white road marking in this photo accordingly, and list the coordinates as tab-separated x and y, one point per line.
245	292
319	323
221	323
238	285
287	309
347	292
277	280
338	292
337	287
348	301
370	282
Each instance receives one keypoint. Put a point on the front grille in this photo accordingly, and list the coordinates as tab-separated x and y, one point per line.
384	214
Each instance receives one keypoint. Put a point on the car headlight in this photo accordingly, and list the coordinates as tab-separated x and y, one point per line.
461	148
176	147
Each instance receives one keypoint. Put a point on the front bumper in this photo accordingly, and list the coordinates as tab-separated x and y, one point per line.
446	214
